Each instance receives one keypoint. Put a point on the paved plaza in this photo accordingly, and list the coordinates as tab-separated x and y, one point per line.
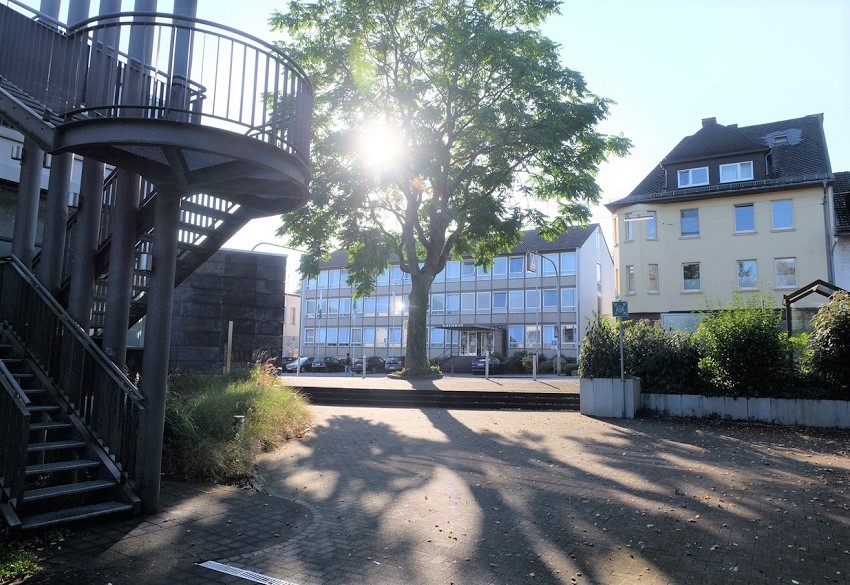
431	496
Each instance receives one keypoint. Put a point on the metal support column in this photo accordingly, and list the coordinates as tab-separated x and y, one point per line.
157	345
85	242
49	269
26	213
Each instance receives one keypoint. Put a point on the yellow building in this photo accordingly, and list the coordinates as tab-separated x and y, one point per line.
728	210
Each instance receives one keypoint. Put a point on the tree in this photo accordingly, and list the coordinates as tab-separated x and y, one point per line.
461	106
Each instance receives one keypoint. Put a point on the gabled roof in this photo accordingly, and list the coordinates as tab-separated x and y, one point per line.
796	149
574	238
711	141
841	199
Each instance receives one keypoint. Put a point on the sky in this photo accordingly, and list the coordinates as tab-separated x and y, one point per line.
667	64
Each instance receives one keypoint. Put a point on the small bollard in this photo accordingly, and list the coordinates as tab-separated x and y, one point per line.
238	423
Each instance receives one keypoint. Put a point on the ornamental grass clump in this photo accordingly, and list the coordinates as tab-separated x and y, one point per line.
202	441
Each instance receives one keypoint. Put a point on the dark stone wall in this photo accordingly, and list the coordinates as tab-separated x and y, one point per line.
243	287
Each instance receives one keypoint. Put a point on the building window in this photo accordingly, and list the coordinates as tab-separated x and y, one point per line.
693	177
467	303
690	277
310	308
742	171
598	277
745	219
333	278
515	301
311	284
292	315
441	276
395	336
452	270
438	304
384	277
309	336
332	336
568	299
343	279
747	274
569	335
482	303
782	214
500	302
690	222
482	273
550	264
516	266
550	299
532	301
397	305
438	337
549	336
383	305
452	304
532	336
369	306
500	267
344	307
786	272
651	226
369	336
630	280
629	230
356	336
333	307
344	336
653	278
568	263
321	336
467	270
516	335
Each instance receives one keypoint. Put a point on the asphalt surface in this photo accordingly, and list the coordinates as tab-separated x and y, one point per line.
433	496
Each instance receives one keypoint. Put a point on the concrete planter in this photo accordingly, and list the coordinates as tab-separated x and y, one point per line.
783	411
610	397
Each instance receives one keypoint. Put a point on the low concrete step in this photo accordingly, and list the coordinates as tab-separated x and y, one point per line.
74	514
467	400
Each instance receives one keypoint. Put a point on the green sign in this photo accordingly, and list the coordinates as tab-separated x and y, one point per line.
620	308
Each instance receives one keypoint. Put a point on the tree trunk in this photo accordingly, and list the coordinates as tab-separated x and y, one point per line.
416	362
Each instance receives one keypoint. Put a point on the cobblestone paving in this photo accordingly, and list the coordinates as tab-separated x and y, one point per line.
434	496
429	496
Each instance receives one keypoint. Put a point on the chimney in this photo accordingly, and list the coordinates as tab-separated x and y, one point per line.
732	126
707	121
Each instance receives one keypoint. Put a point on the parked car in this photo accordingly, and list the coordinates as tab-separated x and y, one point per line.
496	366
394	363
373	364
306	364
327	364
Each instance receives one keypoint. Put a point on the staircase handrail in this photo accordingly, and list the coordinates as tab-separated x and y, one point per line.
96	389
15	421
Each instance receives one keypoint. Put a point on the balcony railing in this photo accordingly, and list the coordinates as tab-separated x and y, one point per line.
193	71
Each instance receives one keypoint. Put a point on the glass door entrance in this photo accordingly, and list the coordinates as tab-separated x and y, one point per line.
473	342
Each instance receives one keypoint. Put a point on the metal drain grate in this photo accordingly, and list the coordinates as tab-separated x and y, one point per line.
249	575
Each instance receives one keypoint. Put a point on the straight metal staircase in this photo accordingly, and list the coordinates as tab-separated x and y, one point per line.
67	454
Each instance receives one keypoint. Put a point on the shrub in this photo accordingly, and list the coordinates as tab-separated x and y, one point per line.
830	344
665	361
742	351
600	349
201	442
514	363
544	365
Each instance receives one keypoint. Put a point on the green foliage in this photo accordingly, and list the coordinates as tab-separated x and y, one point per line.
201	442
17	563
600	349
829	359
515	364
665	361
480	108
742	352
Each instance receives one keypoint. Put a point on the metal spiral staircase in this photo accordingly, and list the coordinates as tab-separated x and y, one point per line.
205	115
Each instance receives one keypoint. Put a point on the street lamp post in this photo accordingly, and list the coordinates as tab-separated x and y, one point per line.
558	295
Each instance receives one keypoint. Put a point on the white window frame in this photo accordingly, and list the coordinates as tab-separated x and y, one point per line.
503	295
467	270
550	299
310	308
630	279
453	271
752	207
532	300
698	279
652	226
773	204
743	171
777	262
441	333
515	341
752	283
513	295
682	222
356	336
482	302
500	267
453	297
688	173
309	336
653	277
568	299
516	273
532	337
467	303
568	264
442	309
629	230
568	337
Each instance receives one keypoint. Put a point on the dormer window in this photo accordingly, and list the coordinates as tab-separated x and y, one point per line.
742	171
780	139
693	177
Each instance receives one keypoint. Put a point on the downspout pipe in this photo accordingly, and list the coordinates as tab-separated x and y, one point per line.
828	233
